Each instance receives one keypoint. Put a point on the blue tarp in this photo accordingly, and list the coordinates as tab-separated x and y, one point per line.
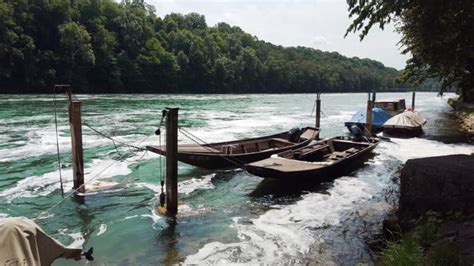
379	117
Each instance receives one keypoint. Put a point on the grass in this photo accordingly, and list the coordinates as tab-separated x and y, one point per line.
423	245
405	252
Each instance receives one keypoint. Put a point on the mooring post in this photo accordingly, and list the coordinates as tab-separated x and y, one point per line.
368	121
76	141
318	110
374	96
413	100
172	161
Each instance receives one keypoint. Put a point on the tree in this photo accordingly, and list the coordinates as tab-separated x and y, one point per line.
439	36
122	46
77	48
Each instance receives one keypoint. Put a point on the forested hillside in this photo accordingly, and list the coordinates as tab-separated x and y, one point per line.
104	46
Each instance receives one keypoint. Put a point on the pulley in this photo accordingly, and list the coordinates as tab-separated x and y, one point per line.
162	194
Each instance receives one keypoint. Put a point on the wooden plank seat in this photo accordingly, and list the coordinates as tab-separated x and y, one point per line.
337	155
310	151
352	150
196	148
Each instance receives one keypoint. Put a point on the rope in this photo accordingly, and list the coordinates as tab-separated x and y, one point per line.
73	191
314	107
92	179
235	161
57	141
114	140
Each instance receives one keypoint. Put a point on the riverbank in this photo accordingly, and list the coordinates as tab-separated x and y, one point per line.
465	115
435	220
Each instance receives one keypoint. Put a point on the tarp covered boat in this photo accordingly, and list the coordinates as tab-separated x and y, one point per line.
406	124
239	152
379	117
22	242
316	161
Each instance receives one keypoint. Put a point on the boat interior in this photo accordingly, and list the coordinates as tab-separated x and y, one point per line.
328	151
258	145
274	142
253	146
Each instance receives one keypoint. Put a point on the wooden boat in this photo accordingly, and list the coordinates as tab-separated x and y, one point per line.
391	107
405	125
316	161
239	152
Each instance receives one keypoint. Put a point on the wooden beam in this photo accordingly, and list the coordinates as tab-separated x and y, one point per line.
368	122
318	110
172	161
76	141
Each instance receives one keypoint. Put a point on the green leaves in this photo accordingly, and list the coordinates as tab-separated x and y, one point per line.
439	35
112	46
76	43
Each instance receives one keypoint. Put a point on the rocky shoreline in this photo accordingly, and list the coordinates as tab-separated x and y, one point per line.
435	220
464	113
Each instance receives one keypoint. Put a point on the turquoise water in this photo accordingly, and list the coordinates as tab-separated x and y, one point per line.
225	216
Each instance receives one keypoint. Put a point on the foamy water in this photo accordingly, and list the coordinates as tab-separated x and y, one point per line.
221	221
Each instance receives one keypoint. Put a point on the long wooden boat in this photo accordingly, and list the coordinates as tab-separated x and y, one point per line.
316	161
240	152
391	107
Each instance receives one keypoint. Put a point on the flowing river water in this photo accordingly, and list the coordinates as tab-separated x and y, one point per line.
226	216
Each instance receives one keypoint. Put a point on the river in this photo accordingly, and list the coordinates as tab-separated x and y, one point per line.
225	216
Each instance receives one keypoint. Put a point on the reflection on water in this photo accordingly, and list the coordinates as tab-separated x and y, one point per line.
224	216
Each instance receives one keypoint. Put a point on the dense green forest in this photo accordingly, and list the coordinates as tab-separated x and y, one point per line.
104	46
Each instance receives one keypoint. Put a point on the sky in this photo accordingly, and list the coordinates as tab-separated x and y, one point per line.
318	24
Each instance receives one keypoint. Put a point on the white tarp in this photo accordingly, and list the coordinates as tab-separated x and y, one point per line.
405	119
22	242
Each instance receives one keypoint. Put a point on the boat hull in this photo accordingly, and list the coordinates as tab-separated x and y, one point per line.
214	156
403	132
305	170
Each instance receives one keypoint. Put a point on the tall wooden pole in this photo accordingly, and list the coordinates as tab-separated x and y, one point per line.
76	141
368	122
318	110
413	100
374	96
172	161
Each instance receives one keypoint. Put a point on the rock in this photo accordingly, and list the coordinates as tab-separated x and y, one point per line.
442	184
462	235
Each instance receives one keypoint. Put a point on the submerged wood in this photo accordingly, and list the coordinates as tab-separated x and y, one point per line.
239	152
315	161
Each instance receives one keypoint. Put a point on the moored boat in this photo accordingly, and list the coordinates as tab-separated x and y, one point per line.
391	107
315	161
239	152
379	117
405	125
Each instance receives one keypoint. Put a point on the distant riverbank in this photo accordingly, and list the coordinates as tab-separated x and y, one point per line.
139	92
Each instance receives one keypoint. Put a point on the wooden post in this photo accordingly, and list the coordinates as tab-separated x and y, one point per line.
368	122
76	141
374	96
413	100
172	161
318	110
